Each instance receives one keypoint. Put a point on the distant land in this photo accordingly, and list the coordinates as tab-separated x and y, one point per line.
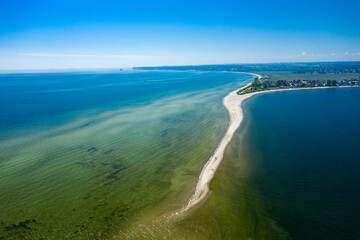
286	75
321	71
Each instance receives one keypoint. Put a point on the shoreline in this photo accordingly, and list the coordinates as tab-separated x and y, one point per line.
232	102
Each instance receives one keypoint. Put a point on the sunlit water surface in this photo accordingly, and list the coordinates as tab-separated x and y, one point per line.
93	155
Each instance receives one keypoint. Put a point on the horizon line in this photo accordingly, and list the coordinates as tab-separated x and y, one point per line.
4	71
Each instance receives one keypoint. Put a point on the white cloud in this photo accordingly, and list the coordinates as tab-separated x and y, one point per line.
346	53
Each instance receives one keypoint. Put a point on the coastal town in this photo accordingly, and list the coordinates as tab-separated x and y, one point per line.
263	85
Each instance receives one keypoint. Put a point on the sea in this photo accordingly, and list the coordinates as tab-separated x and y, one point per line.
113	154
89	155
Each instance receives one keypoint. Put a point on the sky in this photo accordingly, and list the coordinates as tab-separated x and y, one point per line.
121	34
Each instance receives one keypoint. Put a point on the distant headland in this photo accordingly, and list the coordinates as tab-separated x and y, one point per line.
308	72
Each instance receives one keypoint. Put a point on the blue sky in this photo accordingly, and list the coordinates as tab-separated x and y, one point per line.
111	34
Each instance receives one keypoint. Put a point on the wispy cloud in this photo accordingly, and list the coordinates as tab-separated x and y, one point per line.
304	55
352	54
122	56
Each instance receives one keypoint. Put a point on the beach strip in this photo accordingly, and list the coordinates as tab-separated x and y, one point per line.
232	103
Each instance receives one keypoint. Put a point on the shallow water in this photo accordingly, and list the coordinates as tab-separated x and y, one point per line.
91	155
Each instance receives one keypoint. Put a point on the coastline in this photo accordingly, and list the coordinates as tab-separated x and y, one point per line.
232	103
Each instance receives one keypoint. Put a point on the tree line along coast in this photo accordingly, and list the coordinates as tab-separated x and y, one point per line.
263	85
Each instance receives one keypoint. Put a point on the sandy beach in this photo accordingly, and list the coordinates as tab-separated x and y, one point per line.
232	103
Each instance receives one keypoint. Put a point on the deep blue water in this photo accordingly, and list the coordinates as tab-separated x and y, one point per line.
305	147
33	98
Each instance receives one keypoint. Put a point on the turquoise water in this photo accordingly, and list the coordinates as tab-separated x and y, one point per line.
92	155
304	147
31	98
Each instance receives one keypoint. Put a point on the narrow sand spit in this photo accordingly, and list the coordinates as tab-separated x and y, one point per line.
232	103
